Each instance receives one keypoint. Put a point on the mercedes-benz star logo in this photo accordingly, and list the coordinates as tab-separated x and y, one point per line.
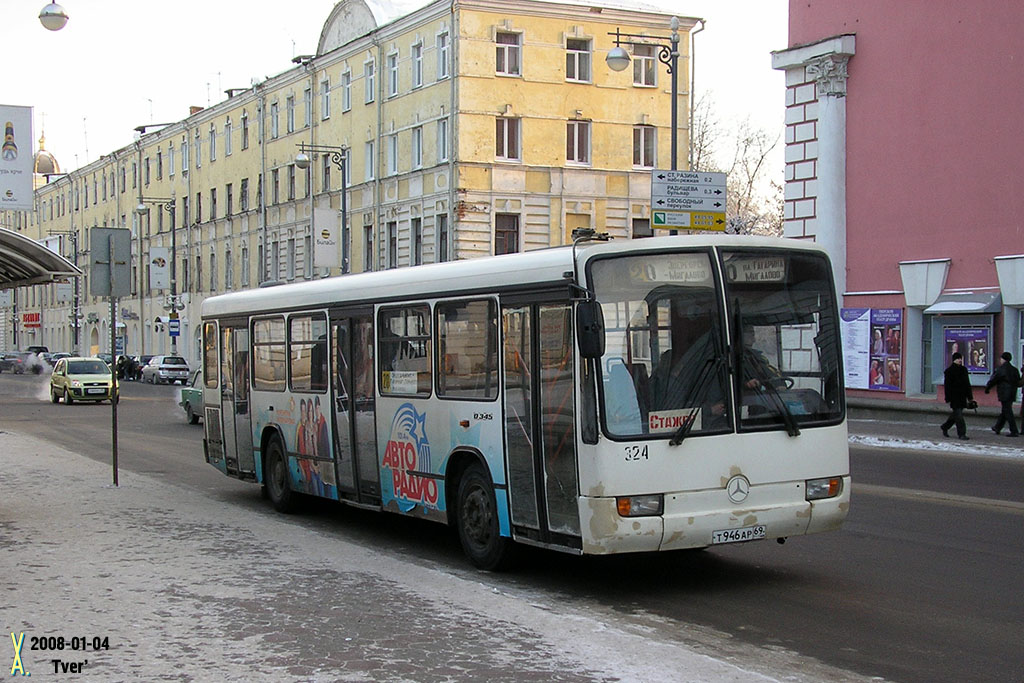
738	488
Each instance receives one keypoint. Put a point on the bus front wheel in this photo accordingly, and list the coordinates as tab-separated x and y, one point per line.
276	479
477	521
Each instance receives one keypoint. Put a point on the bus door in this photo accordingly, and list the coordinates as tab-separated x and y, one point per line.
234	399
539	422
355	432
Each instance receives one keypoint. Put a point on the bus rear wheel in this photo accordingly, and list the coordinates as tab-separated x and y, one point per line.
276	480
477	521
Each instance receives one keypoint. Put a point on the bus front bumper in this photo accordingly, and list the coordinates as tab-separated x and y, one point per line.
691	519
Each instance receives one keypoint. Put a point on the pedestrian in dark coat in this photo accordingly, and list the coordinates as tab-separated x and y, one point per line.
1005	379
957	387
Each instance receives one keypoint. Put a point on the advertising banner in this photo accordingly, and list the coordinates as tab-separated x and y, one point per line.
159	268
872	348
325	239
16	158
973	342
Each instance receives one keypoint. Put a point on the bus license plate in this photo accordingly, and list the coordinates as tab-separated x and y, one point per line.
745	533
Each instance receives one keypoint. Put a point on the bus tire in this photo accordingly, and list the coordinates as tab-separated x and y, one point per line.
277	480
477	521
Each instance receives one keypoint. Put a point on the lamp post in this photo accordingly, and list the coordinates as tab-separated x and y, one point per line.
53	17
668	54
339	157
173	305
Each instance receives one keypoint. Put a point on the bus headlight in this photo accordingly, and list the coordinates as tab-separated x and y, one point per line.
830	487
639	506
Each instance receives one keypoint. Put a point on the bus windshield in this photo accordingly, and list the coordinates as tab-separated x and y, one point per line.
667	354
786	338
664	364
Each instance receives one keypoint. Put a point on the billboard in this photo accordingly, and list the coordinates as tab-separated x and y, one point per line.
872	348
16	158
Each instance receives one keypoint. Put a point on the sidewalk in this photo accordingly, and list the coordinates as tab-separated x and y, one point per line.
183	586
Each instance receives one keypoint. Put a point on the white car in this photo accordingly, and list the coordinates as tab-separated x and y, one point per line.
165	370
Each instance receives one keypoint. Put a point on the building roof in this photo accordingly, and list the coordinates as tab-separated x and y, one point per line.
26	262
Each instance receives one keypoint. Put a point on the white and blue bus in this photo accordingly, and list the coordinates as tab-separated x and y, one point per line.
605	397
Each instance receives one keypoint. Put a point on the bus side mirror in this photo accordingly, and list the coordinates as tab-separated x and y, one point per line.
590	329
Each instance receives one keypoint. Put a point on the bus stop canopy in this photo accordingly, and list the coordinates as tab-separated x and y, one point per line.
26	262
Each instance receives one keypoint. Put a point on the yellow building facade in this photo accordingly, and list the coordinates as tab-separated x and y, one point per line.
468	128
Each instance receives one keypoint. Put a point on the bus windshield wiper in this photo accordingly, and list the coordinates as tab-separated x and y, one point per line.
765	382
697	391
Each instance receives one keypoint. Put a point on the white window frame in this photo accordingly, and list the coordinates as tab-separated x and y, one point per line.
346	90
645	146
275	113
227	137
644	66
369	79
577	60
245	266
443	50
507	129
391	154
442	139
416	148
577	151
289	108
325	99
507	53
416	56
245	129
213	142
392	66
369	160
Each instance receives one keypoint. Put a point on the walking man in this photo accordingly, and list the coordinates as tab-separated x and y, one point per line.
957	386
1005	379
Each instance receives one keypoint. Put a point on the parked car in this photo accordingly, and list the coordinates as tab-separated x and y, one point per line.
192	398
20	362
37	349
165	369
81	379
58	355
106	358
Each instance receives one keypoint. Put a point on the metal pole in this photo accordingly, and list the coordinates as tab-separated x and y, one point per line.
674	68
344	214
174	278
113	364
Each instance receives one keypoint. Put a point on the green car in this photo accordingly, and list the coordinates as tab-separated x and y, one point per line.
81	379
192	398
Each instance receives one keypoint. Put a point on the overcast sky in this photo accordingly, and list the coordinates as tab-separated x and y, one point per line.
119	63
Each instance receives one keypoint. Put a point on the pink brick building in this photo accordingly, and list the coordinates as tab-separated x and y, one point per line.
904	155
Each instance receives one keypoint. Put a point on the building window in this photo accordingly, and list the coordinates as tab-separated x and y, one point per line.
245	266
506	139
441	228
417	147
213	203
417	65
392	74
307	106
442	55
392	244
577	142
309	182
307	257
642	228
229	197
367	248
369	81
274	124
442	139
644	145
369	160
227	137
275	192
392	154
213	143
170	163
243	195
416	238
644	72
289	104
213	271
245	130
290	266
145	175
577	60
159	166
346	91
325	99
506	233
291	181
325	164
507	53
229	271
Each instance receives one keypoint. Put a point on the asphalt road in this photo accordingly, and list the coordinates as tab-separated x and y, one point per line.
924	583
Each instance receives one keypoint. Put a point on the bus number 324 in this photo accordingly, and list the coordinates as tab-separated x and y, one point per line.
636	452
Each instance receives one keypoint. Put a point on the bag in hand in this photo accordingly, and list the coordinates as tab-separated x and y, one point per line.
972	405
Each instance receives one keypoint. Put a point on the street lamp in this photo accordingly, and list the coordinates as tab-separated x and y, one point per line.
668	54
339	157
53	17
173	304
